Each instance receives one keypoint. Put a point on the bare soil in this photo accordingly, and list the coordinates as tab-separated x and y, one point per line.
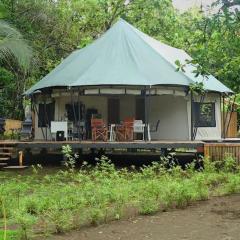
215	219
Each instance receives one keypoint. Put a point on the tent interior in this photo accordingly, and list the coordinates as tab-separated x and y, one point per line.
169	106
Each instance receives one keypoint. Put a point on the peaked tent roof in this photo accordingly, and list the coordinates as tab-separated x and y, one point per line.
124	56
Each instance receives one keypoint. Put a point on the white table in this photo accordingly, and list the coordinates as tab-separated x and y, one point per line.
59	126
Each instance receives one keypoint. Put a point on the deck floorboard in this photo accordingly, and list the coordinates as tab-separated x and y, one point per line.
106	145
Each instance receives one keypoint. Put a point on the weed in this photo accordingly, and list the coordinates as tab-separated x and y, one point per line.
91	195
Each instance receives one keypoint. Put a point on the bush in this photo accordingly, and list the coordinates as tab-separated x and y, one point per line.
74	198
10	234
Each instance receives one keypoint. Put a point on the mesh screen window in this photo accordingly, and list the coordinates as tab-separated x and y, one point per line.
204	114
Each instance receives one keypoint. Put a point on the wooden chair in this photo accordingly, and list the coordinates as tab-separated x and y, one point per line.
99	130
124	132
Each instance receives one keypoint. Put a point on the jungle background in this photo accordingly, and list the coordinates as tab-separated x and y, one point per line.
36	35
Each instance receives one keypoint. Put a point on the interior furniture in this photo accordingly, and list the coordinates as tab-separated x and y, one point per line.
152	129
112	132
69	130
60	136
60	126
79	131
99	130
139	127
124	131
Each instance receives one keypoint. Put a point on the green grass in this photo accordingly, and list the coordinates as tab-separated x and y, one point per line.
11	235
43	204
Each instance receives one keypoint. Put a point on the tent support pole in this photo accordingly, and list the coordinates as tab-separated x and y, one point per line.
73	106
192	116
148	113
47	120
79	114
221	111
145	113
45	117
224	118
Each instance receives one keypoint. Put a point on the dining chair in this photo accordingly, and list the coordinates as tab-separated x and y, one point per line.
99	130
139	127
124	131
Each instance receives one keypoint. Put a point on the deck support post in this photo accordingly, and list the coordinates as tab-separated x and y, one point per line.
20	158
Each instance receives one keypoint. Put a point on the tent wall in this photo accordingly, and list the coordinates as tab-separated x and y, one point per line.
172	113
208	133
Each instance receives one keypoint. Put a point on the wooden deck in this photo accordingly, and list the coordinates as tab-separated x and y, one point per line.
215	150
105	145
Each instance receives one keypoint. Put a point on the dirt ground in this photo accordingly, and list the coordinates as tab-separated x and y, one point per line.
216	219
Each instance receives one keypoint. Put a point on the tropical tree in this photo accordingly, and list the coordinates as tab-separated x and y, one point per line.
15	61
13	48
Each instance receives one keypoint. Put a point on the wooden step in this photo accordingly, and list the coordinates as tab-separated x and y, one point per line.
5	154
4	158
15	167
6	148
3	165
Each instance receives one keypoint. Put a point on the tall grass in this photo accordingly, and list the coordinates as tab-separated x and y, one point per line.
44	204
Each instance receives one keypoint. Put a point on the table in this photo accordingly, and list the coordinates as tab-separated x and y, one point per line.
112	131
61	126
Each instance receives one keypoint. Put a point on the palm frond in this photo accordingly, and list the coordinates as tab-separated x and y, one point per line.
12	45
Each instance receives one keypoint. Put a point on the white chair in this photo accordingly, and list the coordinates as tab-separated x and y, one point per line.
112	132
152	129
138	127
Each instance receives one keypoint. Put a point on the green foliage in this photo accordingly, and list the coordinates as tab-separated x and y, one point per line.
197	88
13	46
56	203
25	221
56	28
11	235
70	158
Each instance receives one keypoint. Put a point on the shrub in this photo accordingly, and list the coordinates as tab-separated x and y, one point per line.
73	198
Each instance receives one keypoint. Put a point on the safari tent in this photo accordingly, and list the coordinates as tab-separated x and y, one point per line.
126	73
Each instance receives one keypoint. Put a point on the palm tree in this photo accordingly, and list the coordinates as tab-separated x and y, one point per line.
13	46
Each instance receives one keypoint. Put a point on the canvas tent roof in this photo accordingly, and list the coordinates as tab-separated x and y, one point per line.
124	56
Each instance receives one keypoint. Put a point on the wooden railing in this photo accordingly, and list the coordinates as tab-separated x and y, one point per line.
219	151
